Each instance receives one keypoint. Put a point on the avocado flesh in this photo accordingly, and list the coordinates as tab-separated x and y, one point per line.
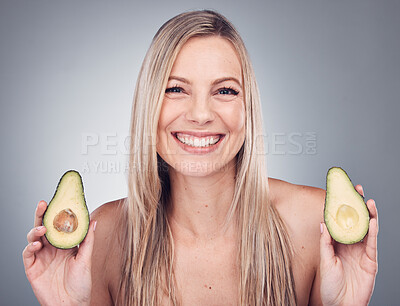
346	215
67	217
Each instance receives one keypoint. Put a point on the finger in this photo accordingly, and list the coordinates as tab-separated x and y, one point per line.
371	248
373	212
40	209
86	247
327	253
36	233
359	189
28	255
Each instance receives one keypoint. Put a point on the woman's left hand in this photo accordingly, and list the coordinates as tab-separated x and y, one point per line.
348	271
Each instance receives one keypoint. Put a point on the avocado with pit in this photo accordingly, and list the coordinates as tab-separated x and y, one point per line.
67	217
346	215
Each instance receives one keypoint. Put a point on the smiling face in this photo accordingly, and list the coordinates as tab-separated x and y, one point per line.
202	122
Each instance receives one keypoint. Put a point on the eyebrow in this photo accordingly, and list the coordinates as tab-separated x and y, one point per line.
217	81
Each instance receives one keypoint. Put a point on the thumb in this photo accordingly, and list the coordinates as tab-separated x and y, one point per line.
327	253
86	247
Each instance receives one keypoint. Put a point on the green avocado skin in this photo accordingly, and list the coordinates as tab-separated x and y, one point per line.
326	211
86	217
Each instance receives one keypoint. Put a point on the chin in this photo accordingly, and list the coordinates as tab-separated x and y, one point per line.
198	168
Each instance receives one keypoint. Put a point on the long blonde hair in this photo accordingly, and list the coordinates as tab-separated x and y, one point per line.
265	252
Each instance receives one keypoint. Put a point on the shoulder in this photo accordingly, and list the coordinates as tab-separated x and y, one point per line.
107	217
107	231
280	189
297	201
301	208
106	257
106	213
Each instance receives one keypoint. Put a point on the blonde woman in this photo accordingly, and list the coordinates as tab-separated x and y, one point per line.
202	224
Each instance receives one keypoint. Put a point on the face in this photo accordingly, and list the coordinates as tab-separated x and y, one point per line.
202	122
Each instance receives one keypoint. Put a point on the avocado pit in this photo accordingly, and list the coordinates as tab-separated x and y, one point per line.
347	217
65	221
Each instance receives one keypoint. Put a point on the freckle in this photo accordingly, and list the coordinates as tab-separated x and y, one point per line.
206	205
302	247
198	211
209	287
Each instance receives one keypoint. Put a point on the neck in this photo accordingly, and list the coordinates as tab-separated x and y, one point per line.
199	204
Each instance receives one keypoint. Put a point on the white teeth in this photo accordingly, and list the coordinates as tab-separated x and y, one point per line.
198	142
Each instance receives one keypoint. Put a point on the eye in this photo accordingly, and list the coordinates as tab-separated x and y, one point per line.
174	89
228	91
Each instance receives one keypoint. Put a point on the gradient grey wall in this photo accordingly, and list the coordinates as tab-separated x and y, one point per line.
329	77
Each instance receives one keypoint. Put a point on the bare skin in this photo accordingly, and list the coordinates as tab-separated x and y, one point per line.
200	98
213	277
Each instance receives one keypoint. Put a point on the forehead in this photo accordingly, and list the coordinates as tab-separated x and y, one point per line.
209	56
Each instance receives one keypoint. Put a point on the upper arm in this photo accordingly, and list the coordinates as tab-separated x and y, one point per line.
315	295
309	202
317	199
105	257
301	208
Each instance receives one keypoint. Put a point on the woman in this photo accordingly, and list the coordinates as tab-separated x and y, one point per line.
202	224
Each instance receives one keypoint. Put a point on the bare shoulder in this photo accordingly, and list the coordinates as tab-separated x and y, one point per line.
297	201
106	259
107	212
107	234
301	207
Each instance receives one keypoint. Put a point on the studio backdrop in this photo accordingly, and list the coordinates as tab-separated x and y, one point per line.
329	79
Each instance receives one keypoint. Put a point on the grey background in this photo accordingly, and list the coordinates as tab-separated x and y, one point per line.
68	69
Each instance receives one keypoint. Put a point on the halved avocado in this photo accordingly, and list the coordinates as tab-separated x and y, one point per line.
346	215
67	217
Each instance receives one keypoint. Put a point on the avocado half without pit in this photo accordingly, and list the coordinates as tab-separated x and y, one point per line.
346	215
67	217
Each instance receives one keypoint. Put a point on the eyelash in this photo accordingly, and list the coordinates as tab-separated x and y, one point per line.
233	91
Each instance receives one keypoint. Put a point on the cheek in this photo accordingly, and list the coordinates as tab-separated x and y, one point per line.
165	117
161	126
234	117
168	114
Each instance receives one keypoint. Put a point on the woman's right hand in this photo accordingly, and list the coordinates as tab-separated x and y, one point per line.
58	276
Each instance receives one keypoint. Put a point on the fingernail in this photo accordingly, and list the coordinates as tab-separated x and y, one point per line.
321	227
94	227
35	243
39	228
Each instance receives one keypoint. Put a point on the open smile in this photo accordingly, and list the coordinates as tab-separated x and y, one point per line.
198	142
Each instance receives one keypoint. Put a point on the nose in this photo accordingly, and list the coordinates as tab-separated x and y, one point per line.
200	110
